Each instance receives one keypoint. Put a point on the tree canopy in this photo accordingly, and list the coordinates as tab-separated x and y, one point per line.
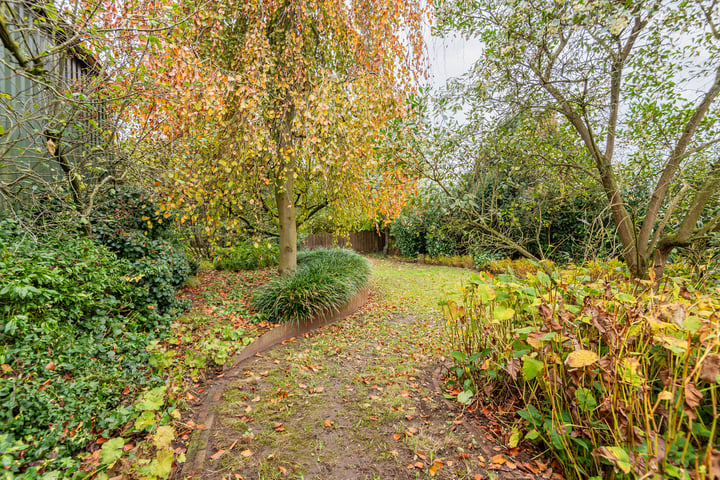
281	109
635	82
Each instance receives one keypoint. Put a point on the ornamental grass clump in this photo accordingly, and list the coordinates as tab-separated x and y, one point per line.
324	281
617	377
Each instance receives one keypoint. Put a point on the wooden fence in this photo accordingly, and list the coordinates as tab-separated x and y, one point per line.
361	242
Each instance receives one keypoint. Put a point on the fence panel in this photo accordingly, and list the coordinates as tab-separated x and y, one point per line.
362	242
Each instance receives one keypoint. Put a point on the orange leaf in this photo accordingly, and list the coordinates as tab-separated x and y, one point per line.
329	423
217	455
498	459
246	453
397	437
437	464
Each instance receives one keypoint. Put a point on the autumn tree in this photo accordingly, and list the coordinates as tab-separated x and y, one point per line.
72	77
281	109
636	83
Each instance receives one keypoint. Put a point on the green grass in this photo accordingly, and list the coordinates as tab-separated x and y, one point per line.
418	288
324	281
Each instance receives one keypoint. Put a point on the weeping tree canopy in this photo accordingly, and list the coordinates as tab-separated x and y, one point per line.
284	109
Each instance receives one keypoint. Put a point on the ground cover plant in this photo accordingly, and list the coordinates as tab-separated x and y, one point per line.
73	347
324	281
616	377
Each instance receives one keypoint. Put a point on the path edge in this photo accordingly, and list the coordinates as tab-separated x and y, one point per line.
198	445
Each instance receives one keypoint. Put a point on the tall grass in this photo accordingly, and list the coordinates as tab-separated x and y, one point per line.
324	281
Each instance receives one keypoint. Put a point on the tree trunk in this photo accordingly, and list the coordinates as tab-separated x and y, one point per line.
287	222
386	245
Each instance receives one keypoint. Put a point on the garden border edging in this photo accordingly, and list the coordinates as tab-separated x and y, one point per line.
198	445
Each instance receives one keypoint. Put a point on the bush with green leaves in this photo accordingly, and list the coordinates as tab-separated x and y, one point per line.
74	328
427	226
248	255
324	281
133	227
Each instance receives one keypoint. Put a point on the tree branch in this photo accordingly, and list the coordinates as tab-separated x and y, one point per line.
673	162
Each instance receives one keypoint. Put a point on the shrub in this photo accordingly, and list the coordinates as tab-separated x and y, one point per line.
460	261
71	342
483	260
609	375
324	281
130	209
132	226
428	226
409	236
248	255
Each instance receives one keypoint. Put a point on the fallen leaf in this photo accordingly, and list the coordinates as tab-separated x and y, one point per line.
265	373
283	470
217	455
419	465
256	399
329	423
498	459
421	456
50	365
397	437
437	464
319	389
233	445
279	427
246	453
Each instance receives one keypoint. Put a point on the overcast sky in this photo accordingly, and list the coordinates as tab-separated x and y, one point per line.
450	57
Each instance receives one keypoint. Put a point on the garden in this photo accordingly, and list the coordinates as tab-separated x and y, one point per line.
184	187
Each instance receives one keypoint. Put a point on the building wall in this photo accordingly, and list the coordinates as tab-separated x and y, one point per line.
33	106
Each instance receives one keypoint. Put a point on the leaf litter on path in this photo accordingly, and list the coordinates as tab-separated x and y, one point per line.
360	399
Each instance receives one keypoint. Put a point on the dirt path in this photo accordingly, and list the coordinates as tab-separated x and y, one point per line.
361	399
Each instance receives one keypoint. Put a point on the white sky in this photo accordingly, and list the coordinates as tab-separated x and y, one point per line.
450	57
